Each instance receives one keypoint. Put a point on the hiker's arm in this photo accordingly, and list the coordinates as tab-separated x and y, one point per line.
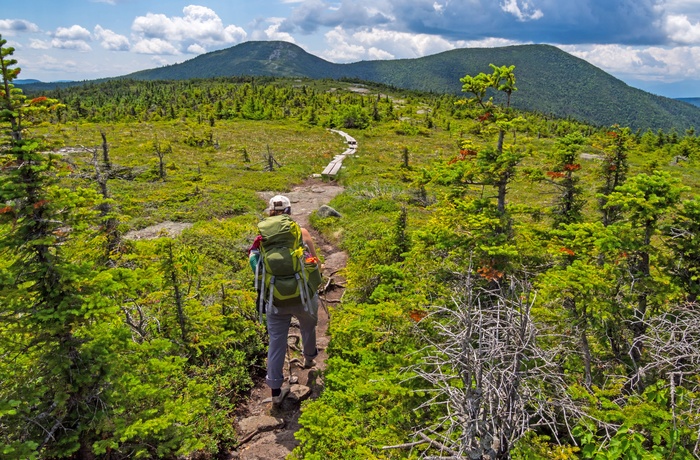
306	236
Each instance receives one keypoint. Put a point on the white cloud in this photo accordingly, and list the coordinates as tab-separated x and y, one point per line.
74	32
39	44
74	37
234	34
198	25
111	40
49	63
196	49
272	32
77	45
681	30
682	7
526	13
160	61
17	25
404	44
649	64
341	50
375	43
378	54
154	46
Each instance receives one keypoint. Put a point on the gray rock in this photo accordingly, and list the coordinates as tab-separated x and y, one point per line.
327	211
299	392
259	423
267	447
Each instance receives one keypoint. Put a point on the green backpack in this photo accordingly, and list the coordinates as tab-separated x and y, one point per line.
283	276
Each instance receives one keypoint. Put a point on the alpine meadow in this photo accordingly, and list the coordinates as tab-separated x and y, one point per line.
518	284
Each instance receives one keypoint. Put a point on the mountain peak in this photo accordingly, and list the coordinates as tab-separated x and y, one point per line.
550	80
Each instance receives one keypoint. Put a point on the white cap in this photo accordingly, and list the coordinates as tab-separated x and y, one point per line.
279	203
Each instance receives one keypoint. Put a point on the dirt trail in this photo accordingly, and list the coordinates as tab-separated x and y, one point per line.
265	433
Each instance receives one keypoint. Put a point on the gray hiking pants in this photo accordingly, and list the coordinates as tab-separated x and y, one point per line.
278	330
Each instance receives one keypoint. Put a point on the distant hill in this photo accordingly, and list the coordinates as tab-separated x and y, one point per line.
691	100
549	80
27	81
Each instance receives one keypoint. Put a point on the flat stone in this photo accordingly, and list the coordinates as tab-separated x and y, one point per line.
267	447
259	423
299	392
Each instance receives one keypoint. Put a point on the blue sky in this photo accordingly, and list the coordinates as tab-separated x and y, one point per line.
653	45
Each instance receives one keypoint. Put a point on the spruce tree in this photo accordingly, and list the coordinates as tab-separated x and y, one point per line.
49	303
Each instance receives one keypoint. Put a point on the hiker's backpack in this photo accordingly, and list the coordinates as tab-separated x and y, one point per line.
283	276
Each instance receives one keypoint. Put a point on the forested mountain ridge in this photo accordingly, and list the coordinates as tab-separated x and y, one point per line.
550	81
691	100
281	59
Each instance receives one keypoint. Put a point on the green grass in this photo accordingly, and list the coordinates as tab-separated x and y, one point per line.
209	182
201	182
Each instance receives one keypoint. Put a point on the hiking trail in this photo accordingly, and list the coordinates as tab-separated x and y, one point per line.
265	433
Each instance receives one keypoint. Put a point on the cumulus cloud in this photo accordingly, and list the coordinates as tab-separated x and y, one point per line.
311	15
376	43
76	45
17	26
681	30
688	8
269	29
74	38
642	63
155	46
74	32
39	44
196	49
541	21
199	26
524	12
341	49
111	40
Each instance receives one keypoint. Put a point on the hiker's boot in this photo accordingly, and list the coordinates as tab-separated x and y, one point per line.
309	363
279	398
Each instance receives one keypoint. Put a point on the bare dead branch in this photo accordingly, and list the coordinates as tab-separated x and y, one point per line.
487	341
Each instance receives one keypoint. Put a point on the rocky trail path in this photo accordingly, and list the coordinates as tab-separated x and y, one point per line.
265	433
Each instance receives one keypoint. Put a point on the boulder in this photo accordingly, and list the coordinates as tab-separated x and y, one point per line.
327	211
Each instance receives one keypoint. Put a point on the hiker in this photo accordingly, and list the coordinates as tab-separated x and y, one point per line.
279	318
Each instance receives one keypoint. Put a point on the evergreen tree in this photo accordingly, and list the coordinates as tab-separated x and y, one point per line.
646	199
569	202
683	237
495	167
614	171
51	294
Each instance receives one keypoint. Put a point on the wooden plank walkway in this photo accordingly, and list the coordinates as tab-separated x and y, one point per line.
333	169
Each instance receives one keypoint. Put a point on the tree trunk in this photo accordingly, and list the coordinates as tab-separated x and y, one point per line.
105	152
